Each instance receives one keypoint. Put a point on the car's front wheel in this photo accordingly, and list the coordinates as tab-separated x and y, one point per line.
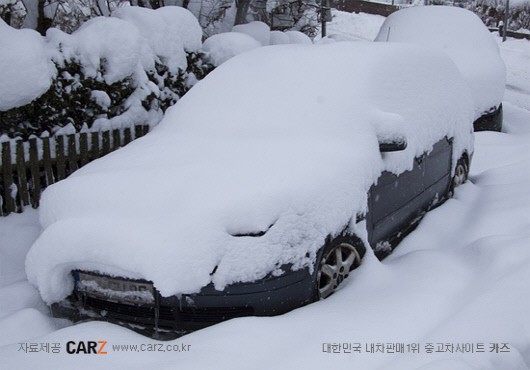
461	174
339	257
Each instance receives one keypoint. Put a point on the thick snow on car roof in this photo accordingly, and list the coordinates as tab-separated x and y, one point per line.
460	34
283	135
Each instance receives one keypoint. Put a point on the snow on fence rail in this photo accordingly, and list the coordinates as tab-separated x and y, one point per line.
27	168
515	35
359	6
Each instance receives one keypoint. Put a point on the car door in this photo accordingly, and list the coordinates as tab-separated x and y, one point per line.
437	175
397	202
393	203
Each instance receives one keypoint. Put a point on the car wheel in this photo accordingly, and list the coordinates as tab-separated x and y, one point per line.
338	259
460	176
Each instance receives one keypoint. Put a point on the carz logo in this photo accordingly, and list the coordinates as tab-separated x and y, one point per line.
89	347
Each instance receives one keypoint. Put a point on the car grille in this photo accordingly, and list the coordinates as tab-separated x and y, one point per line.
166	314
214	314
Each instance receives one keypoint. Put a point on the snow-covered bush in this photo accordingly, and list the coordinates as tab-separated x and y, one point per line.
279	38
25	69
112	72
244	37
73	98
223	46
258	30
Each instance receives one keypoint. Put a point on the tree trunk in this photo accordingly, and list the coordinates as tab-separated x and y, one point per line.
35	17
241	11
43	22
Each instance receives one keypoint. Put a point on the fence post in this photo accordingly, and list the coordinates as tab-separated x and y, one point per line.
35	172
7	175
72	154
94	147
126	136
83	148
23	193
106	143
138	132
59	156
116	142
47	160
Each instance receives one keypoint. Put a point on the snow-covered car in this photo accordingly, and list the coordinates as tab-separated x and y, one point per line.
260	191
463	36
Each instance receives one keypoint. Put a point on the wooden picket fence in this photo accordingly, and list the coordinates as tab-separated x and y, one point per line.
27	168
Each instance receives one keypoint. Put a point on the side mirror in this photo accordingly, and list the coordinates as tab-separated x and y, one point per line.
390	130
393	145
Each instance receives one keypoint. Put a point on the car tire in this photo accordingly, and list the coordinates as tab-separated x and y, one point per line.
337	259
460	176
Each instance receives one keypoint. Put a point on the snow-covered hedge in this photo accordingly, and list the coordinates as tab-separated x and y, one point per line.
244	37
112	72
25	69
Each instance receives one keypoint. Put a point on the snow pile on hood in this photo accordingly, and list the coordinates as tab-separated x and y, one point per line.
245	37
26	71
460	34
273	140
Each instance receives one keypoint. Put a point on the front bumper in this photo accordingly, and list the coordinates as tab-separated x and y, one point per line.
491	121
170	317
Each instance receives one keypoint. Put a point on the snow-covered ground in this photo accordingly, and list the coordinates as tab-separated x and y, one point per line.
351	26
460	283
